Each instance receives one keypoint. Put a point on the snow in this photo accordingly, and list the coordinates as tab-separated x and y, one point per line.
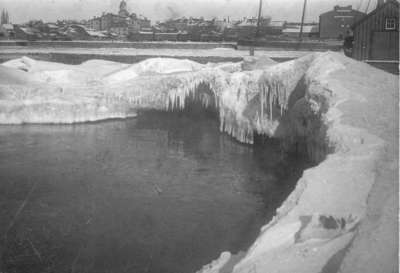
31	65
251	96
158	66
9	27
151	52
151	67
96	33
334	119
91	86
10	77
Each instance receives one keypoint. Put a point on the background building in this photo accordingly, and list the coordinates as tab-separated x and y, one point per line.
95	23
7	31
120	24
248	27
334	24
292	30
27	33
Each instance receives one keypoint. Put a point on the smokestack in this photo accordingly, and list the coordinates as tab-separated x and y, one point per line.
380	3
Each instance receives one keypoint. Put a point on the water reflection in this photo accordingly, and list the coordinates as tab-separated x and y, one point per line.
160	193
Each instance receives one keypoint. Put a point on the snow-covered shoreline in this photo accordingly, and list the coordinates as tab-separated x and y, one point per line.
152	52
342	215
324	103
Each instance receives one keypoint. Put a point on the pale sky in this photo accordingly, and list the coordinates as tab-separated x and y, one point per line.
50	10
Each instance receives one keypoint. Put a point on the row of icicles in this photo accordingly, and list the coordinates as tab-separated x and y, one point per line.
273	97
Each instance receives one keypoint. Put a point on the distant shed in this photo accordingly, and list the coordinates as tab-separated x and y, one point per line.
376	36
294	31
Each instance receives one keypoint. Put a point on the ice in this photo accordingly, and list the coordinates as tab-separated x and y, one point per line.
152	66
121	75
166	66
102	67
49	72
247	101
31	65
14	76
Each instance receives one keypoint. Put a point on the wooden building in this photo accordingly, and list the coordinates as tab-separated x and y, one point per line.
293	31
248	27
334	24
376	36
27	33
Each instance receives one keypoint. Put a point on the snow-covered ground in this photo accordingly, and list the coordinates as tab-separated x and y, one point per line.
342	113
217	52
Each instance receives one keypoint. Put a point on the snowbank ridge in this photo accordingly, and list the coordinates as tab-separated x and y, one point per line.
42	92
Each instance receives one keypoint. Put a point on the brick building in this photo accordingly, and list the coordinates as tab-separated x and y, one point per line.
122	23
95	23
109	20
336	23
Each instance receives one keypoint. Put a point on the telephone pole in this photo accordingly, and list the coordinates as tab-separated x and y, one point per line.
302	20
259	18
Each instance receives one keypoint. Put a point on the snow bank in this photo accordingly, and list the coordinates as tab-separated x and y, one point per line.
119	90
247	101
31	65
337	219
252	63
43	92
150	67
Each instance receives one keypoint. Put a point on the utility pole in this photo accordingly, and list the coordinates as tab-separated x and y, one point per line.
259	18
302	20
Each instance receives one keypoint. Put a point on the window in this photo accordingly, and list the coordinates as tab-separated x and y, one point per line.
390	23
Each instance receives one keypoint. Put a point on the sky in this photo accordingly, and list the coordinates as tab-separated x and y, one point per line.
289	10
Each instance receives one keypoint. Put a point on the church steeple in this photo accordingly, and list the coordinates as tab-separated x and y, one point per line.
122	5
123	9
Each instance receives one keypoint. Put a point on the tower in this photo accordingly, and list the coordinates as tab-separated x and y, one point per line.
123	9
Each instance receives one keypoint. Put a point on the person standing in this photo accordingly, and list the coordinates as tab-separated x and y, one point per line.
348	44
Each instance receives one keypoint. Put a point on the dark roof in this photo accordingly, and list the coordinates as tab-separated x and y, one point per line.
372	13
341	10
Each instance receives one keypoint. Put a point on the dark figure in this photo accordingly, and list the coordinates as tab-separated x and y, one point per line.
348	44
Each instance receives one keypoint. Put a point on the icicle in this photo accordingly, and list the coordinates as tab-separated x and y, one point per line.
270	103
262	102
175	101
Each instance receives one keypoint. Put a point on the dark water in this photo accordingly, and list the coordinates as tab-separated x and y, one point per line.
159	193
